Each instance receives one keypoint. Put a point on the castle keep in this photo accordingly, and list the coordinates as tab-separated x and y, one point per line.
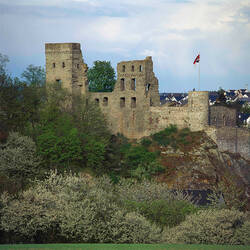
133	108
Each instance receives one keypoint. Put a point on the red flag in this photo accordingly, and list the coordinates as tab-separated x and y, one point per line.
197	59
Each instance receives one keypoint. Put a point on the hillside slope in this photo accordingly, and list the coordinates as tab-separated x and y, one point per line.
192	160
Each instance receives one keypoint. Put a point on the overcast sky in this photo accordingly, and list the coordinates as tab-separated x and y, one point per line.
173	32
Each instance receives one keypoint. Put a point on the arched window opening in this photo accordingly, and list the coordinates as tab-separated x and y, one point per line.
133	84
122	86
105	101
147	87
97	101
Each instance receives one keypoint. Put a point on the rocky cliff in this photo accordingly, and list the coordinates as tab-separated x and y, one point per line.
199	164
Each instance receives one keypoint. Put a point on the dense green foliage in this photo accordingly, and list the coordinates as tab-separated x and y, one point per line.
164	213
155	201
101	77
172	136
59	142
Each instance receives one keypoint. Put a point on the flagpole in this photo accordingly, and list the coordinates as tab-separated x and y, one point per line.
199	72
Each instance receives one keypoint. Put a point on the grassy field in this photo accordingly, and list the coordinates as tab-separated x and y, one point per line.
123	246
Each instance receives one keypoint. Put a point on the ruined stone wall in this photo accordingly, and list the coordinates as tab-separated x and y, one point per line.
232	139
136	90
161	117
133	108
64	64
220	116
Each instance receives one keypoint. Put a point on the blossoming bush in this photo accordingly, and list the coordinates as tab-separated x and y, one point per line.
211	226
72	209
18	158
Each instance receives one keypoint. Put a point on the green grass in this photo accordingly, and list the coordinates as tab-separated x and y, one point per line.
123	246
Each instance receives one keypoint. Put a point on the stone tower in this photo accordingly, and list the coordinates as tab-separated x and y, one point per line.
65	65
198	110
136	78
136	90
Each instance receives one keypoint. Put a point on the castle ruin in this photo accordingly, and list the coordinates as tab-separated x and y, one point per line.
133	107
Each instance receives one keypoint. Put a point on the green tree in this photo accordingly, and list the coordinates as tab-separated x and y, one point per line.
89	119
72	131
101	77
94	151
34	95
57	136
34	75
19	101
11	115
59	143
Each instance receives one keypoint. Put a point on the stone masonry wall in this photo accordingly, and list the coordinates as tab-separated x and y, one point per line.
232	139
222	116
161	117
136	90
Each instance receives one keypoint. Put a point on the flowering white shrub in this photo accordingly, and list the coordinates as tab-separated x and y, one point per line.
18	157
73	209
222	226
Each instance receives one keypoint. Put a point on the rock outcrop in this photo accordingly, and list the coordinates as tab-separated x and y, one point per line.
200	165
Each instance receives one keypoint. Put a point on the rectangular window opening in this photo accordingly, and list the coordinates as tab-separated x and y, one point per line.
151	102
105	101
122	86
133	102
59	81
140	68
63	65
123	68
122	102
147	87
53	65
133	84
133	68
